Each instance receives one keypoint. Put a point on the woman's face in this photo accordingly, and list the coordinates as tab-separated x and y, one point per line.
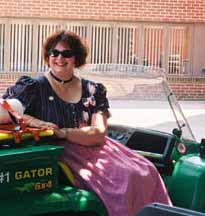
61	63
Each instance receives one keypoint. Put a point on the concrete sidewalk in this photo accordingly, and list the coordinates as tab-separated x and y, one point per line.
158	115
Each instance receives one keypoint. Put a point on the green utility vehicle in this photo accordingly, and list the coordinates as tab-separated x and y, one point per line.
32	182
145	117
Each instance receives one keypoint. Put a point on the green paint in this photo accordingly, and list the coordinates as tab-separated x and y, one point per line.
26	187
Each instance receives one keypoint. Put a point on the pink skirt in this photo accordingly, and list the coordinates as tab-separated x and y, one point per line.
124	181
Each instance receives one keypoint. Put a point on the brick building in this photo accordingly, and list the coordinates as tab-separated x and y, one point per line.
168	34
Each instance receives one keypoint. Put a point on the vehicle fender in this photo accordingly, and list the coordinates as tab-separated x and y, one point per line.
187	186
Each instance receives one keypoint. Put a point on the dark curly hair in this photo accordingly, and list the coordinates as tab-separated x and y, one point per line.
70	39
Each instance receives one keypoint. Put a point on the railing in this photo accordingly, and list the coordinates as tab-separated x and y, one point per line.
120	70
155	45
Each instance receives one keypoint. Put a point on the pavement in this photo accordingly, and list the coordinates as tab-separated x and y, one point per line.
156	115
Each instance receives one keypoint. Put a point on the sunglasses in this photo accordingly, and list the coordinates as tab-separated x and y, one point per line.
65	53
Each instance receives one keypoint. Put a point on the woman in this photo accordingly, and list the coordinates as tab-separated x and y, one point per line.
77	109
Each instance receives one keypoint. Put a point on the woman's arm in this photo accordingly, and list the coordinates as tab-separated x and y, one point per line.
34	122
89	135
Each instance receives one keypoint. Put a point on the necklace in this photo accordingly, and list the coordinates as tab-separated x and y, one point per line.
60	80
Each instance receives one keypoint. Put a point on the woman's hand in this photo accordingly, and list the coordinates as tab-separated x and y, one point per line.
61	133
34	122
41	124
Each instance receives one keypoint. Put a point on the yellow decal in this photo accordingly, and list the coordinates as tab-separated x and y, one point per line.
42	186
34	173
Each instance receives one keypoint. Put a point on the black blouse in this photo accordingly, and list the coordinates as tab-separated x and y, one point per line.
40	101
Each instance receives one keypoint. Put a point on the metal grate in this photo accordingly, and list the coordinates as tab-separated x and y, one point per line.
2	45
101	44
163	46
178	50
153	46
21	38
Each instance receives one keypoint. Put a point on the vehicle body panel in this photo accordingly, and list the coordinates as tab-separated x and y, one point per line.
30	182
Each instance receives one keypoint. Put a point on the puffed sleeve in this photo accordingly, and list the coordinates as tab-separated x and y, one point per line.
26	91
100	95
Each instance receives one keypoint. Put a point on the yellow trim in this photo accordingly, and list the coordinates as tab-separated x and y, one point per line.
66	169
8	136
